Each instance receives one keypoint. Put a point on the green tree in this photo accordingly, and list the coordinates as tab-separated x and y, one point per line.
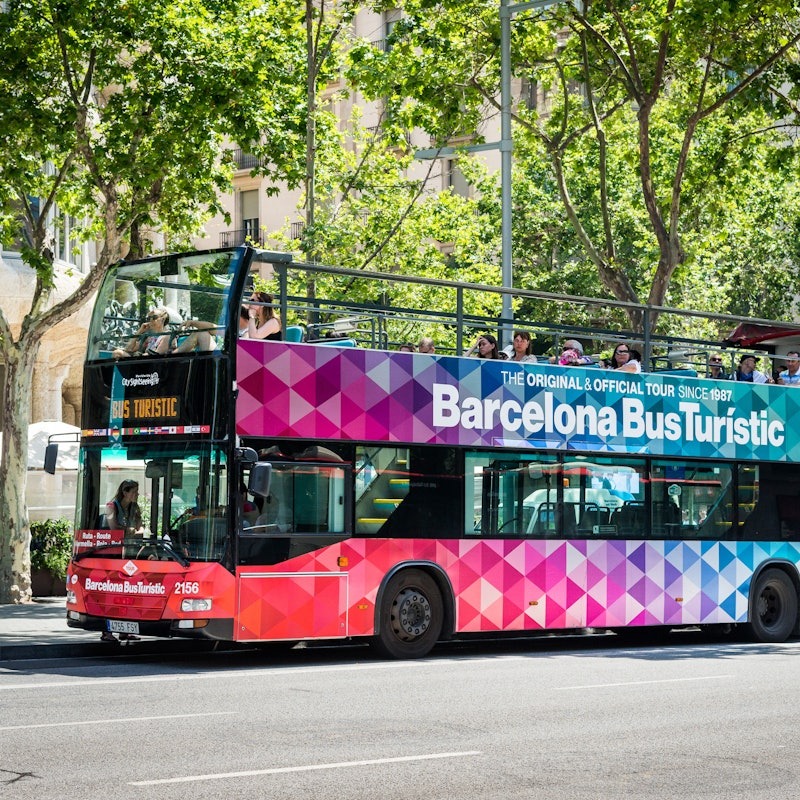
113	111
638	108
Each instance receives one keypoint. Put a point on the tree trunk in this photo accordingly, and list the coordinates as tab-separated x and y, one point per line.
15	536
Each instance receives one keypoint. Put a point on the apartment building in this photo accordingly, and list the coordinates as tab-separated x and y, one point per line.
255	214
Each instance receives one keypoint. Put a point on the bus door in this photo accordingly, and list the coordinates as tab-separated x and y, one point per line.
304	509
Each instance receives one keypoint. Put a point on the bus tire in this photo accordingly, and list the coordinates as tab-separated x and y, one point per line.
773	613
410	616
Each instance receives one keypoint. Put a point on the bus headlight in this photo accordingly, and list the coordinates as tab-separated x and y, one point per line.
196	604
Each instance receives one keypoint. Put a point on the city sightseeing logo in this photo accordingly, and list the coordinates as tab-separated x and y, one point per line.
130	569
141	380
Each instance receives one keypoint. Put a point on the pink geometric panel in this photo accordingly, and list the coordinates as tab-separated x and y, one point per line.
500	585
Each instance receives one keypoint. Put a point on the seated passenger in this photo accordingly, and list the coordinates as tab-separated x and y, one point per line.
153	335
263	322
406	348
791	375
716	369
485	347
747	371
426	345
572	354
625	359
521	347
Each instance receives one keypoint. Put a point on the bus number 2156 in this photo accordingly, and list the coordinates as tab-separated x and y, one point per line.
187	587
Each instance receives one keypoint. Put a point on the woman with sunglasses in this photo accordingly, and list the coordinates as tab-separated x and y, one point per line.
264	323
625	359
153	335
716	368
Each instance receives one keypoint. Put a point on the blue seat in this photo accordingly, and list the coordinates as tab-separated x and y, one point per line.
294	333
337	342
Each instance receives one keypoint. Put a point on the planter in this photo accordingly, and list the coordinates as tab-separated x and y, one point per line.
45	584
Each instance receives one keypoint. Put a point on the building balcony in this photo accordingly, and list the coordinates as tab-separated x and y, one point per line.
241	236
245	160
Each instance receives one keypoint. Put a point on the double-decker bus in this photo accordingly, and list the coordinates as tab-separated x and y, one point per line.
333	488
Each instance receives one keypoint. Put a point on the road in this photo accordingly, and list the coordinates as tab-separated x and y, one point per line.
554	718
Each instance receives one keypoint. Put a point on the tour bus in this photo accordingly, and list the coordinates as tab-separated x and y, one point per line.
317	488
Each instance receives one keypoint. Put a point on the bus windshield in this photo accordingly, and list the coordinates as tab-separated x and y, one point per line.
141	306
170	502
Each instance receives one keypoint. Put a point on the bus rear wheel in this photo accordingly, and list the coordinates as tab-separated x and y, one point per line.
774	608
410	616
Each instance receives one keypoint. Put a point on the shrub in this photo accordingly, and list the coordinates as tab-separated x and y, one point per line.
51	546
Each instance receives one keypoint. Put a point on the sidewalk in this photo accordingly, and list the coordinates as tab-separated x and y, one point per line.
39	630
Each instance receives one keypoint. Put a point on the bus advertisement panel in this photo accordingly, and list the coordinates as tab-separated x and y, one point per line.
347	393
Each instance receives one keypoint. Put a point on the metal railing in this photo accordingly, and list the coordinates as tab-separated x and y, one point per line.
386	325
245	160
240	236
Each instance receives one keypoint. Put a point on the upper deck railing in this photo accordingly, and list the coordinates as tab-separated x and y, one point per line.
378	310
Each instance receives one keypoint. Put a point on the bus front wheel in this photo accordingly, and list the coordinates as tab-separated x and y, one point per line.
774	610
411	615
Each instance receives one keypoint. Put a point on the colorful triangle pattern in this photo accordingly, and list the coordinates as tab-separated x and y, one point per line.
509	585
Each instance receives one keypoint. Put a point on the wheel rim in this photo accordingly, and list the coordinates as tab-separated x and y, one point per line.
411	614
770	606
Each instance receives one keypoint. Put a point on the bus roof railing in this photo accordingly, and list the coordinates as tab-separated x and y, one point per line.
368	323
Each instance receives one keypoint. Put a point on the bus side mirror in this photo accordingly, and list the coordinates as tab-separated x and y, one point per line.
50	458
260	479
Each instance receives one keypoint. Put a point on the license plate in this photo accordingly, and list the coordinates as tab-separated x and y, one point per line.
122	626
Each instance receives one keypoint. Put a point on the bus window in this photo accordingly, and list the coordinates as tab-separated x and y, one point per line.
506	496
691	499
768	502
176	486
382	484
306	509
602	497
189	287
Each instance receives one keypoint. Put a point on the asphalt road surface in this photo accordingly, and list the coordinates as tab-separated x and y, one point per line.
553	718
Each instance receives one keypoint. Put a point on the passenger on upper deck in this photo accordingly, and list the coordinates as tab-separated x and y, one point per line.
791	375
426	345
406	348
485	347
199	337
574	344
625	359
747	371
263	322
571	355
521	347
716	369
153	335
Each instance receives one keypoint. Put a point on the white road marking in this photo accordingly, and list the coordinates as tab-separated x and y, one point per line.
643	683
112	721
305	768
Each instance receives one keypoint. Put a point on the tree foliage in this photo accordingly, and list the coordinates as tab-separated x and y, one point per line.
114	111
633	122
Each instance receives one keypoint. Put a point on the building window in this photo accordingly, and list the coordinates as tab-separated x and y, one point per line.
454	179
250	217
